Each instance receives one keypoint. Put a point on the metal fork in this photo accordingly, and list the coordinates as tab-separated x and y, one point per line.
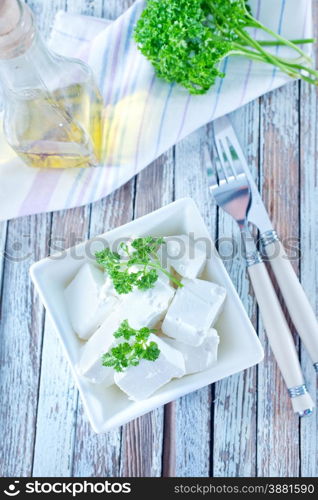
231	190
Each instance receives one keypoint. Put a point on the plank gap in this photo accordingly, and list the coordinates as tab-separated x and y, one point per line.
169	439
2	262
40	355
257	312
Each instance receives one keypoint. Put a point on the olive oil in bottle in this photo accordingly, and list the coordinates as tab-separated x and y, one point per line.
61	130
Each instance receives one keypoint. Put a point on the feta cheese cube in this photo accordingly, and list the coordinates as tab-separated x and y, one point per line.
108	289
86	308
141	308
141	381
185	255
148	307
90	364
194	309
201	357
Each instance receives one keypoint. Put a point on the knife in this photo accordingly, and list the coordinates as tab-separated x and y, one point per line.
297	303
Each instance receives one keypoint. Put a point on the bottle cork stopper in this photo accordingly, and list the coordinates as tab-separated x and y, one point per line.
10	13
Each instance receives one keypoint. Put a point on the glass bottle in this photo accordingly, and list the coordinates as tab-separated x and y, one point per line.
52	106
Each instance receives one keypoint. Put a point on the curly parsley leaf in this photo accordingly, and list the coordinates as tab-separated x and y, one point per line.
127	354
137	268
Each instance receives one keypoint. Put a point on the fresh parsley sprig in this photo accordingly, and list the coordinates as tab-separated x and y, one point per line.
138	268
131	352
186	41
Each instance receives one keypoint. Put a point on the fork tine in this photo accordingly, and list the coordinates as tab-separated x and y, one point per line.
212	177
225	164
227	153
231	155
236	163
226	135
220	172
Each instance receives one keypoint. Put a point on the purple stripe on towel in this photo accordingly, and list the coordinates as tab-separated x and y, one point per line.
164	111
107	97
39	195
183	117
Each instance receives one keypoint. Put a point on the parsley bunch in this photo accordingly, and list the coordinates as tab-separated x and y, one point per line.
138	268
127	353
186	40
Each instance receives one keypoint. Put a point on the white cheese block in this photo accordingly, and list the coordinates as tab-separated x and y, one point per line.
90	364
201	357
86	307
141	308
108	289
141	381
185	255
194	309
148	307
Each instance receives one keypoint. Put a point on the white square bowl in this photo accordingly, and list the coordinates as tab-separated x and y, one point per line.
239	345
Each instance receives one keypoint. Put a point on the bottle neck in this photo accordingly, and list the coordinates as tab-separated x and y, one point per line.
27	70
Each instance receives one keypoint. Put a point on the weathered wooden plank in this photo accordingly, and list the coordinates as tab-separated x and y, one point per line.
234	444
309	251
57	404
45	12
114	8
278	427
142	439
3	236
20	343
87	7
99	455
110	9
187	442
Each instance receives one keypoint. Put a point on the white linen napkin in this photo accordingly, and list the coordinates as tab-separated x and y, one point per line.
144	115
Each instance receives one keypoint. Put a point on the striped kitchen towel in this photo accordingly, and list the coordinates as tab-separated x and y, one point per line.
143	115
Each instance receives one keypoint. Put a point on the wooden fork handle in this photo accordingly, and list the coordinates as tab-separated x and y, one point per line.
280	339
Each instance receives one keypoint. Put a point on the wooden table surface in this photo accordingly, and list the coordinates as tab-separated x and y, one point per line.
240	426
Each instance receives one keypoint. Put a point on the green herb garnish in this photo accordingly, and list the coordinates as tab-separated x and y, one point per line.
186	40
139	266
131	353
